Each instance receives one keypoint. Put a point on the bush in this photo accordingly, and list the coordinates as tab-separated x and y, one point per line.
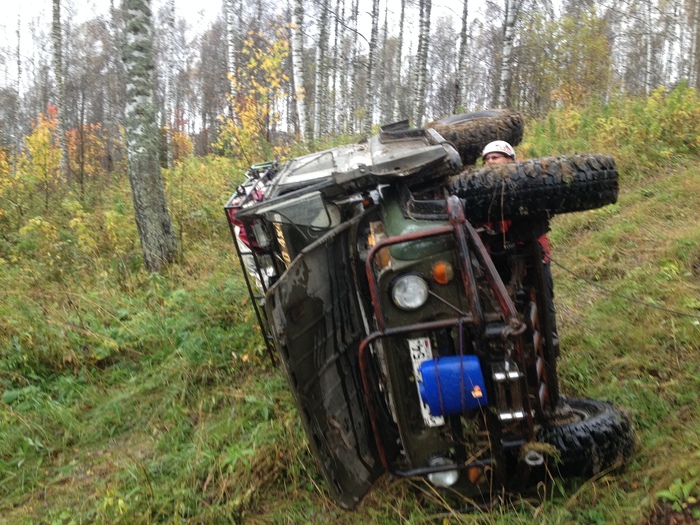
641	133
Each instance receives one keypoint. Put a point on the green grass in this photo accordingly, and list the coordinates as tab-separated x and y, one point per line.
129	398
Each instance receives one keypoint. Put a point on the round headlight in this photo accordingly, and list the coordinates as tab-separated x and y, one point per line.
443	478
409	292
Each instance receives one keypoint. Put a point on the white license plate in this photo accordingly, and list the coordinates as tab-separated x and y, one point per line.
421	350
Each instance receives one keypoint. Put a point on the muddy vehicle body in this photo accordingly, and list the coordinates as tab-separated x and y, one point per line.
414	331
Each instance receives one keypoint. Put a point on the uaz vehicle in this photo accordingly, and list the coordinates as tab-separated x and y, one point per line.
414	332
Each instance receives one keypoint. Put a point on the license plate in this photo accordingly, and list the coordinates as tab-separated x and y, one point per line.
420	351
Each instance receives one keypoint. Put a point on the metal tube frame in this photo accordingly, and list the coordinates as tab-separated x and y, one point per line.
467	241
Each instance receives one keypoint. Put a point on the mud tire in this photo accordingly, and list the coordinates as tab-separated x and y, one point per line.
538	187
470	132
591	436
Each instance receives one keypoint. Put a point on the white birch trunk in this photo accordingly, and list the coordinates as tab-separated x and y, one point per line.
371	65
333	101
16	125
691	40
231	55
343	74
61	101
397	64
316	128
297	67
682	44
694	67
462	79
415	72
109	99
648	50
386	82
142	137
674	43
19	56
356	103
422	58
506	58
321	72
169	68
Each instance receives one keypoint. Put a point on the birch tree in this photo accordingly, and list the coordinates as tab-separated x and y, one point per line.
231	54
297	66
694	44
347	41
61	97
353	101
371	65
114	97
339	12
673	54
169	69
321	71
397	62
462	78
422	62
387	85
503	98
17	125
147	185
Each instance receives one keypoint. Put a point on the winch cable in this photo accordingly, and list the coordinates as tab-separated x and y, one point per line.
624	296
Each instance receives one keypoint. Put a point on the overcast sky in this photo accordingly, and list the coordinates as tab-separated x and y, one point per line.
196	12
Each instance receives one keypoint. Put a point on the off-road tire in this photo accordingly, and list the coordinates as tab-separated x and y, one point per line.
591	436
470	132
537	187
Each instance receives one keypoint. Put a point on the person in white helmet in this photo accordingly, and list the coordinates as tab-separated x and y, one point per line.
497	152
500	152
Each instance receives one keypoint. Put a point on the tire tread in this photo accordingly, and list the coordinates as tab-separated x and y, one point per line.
470	132
603	440
545	186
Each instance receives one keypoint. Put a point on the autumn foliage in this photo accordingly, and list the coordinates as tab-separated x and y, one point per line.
261	91
642	133
54	227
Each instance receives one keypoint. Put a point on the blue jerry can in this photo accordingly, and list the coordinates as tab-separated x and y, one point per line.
452	384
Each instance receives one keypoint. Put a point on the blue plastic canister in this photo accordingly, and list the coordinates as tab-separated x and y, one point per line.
452	384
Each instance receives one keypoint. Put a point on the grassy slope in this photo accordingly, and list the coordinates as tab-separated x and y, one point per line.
180	419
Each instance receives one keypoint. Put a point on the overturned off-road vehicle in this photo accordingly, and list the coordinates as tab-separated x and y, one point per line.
415	334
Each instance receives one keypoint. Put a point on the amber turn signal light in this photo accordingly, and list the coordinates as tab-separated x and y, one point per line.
443	272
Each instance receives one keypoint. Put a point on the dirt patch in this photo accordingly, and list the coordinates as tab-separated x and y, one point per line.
664	514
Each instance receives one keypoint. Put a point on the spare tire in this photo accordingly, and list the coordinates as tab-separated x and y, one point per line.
537	187
470	132
591	436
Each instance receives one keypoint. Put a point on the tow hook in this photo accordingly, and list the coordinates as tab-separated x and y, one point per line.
533	458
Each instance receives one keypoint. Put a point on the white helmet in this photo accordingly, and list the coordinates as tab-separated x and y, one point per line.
499	146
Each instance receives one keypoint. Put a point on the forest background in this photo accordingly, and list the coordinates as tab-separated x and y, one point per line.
138	397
